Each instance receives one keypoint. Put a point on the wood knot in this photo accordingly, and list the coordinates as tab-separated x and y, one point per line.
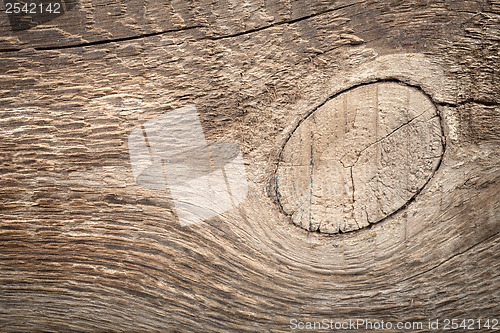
359	157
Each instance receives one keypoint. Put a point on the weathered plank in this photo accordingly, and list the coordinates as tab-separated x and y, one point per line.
83	247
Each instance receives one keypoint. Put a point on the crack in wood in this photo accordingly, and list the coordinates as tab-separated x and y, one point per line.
105	41
307	17
213	38
358	154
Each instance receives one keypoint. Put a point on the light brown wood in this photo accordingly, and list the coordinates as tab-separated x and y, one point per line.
359	158
83	247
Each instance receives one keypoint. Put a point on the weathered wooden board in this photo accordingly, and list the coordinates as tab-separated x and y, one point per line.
84	248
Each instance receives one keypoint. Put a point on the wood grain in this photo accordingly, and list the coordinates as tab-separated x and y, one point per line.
359	158
84	248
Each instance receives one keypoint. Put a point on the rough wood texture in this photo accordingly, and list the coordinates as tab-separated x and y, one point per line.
84	248
359	158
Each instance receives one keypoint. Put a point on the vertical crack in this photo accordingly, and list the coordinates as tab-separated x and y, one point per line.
312	182
353	198
352	183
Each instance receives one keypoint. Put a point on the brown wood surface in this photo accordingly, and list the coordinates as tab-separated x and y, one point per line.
83	248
